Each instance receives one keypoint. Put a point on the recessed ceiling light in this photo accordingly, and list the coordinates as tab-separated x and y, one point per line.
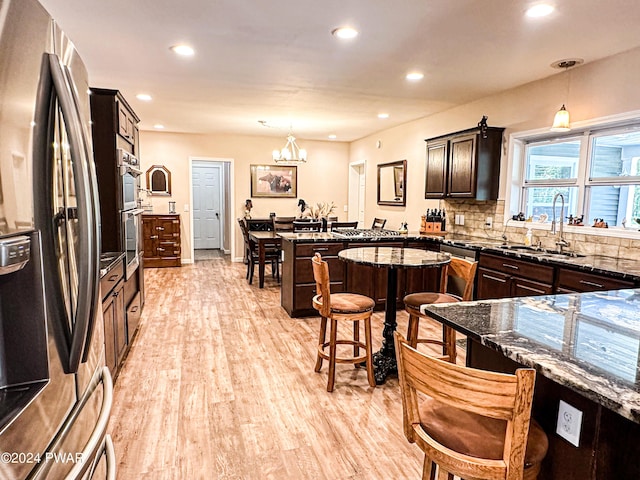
540	10
414	76
333	136
145	97
184	50
383	115
158	126
344	32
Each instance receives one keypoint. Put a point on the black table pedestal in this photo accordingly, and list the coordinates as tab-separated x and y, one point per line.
384	360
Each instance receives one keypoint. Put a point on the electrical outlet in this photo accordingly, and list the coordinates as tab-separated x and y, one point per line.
569	423
461	220
346	208
456	219
489	222
186	207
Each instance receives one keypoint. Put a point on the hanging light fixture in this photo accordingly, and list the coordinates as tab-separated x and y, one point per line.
290	152
561	122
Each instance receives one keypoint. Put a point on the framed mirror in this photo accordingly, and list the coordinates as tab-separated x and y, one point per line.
159	180
392	181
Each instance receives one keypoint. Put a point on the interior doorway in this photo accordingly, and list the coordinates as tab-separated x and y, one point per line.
210	205
357	189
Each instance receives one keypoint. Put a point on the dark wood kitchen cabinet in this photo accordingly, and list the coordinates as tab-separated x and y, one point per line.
298	285
114	320
503	277
464	164
161	240
570	281
107	107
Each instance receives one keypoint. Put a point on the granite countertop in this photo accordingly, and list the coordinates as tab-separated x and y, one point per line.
624	269
109	260
588	342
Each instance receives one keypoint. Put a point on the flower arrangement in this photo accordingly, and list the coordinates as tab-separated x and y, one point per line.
320	210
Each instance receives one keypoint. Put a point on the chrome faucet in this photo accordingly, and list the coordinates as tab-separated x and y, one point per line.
561	241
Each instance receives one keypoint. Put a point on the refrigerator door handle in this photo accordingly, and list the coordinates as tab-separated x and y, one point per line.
73	334
97	438
110	454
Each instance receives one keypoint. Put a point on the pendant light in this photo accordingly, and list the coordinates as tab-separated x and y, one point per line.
561	122
290	152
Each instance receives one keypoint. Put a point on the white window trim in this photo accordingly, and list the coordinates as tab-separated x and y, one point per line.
515	174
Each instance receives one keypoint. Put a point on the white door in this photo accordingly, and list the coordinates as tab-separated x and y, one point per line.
207	188
361	199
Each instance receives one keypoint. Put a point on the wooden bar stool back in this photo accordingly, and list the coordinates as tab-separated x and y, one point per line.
459	271
340	307
471	423
283	224
378	223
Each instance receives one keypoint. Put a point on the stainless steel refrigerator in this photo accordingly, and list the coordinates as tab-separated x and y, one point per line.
55	392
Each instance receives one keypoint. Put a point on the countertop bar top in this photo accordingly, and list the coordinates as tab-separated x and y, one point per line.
109	260
625	269
588	342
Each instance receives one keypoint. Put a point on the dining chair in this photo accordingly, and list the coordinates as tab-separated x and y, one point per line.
378	223
341	307
470	423
272	254
283	224
460	273
335	225
307	225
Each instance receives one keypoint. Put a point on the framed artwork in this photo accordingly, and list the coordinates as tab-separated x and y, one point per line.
159	180
277	181
392	181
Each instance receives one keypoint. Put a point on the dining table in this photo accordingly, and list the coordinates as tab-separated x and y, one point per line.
264	240
392	259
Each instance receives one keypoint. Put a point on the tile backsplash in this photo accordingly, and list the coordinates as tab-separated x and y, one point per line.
476	212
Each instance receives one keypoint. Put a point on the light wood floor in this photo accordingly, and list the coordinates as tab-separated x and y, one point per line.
219	384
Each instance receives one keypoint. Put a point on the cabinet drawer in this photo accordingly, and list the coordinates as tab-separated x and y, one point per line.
520	268
304	270
324	249
134	310
588	282
110	280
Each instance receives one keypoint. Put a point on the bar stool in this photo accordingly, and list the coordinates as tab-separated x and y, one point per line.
350	307
472	423
461	273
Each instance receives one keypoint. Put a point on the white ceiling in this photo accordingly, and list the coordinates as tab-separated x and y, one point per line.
276	60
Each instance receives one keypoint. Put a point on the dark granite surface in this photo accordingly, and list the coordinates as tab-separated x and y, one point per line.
588	342
394	257
109	260
621	268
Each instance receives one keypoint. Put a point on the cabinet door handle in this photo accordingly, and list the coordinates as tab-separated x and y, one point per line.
113	278
159	228
489	277
321	249
153	236
134	309
514	267
160	249
176	234
591	284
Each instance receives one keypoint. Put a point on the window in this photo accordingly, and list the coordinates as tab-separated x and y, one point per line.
596	173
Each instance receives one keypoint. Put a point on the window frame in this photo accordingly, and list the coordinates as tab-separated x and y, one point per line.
519	151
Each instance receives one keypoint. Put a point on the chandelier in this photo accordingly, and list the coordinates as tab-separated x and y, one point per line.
290	152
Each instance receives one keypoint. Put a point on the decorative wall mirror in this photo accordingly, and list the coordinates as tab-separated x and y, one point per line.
392	181
159	180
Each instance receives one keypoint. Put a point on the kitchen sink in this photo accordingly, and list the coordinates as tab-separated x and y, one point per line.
521	247
561	255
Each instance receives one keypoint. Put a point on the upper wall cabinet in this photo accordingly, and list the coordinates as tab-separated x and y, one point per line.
464	164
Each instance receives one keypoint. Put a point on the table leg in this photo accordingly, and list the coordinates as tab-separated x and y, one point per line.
261	260
384	360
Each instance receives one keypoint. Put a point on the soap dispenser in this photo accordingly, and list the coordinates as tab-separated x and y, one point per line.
528	238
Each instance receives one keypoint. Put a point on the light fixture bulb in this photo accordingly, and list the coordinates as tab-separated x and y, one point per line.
414	76
158	126
290	152
383	115
561	121
145	97
183	50
345	33
540	10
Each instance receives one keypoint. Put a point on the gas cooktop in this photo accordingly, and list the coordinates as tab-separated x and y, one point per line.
364	233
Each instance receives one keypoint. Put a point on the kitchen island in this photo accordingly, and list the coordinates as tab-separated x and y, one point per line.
586	350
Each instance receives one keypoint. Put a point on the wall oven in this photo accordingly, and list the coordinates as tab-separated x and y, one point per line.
129	169
131	225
